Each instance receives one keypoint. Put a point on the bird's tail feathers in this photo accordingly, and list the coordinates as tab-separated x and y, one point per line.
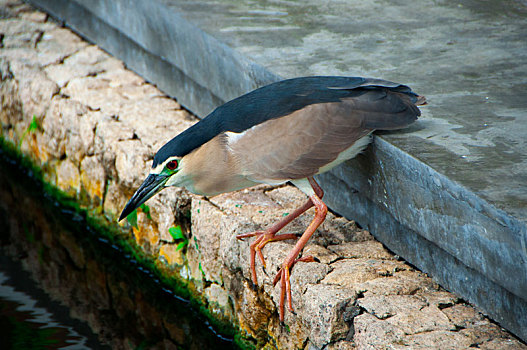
421	100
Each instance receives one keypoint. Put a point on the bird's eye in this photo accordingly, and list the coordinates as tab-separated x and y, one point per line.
172	165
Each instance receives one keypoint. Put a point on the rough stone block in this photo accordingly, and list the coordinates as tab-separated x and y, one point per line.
68	177
93	179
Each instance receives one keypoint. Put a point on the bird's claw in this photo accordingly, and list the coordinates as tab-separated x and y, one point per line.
256	247
308	258
262	238
249	234
283	275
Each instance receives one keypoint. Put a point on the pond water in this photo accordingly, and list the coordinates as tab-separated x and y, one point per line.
63	286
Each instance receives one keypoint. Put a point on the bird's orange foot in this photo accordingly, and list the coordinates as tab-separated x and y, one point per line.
283	275
262	238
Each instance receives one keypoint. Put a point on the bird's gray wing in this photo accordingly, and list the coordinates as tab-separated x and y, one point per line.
300	144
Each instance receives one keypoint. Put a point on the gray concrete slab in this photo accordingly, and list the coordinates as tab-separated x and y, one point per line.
452	185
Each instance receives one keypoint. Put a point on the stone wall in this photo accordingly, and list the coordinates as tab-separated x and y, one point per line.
93	127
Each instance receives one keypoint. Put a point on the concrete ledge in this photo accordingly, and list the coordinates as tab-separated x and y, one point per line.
471	247
472	259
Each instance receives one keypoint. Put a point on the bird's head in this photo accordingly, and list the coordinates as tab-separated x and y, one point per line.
162	175
172	164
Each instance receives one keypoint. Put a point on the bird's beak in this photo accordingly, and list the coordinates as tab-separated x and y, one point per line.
152	185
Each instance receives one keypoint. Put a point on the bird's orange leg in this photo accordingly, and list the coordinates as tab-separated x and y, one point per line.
284	273
269	235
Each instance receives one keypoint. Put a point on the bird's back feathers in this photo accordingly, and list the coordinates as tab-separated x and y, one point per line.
386	105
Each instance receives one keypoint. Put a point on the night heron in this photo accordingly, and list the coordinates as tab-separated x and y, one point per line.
286	131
